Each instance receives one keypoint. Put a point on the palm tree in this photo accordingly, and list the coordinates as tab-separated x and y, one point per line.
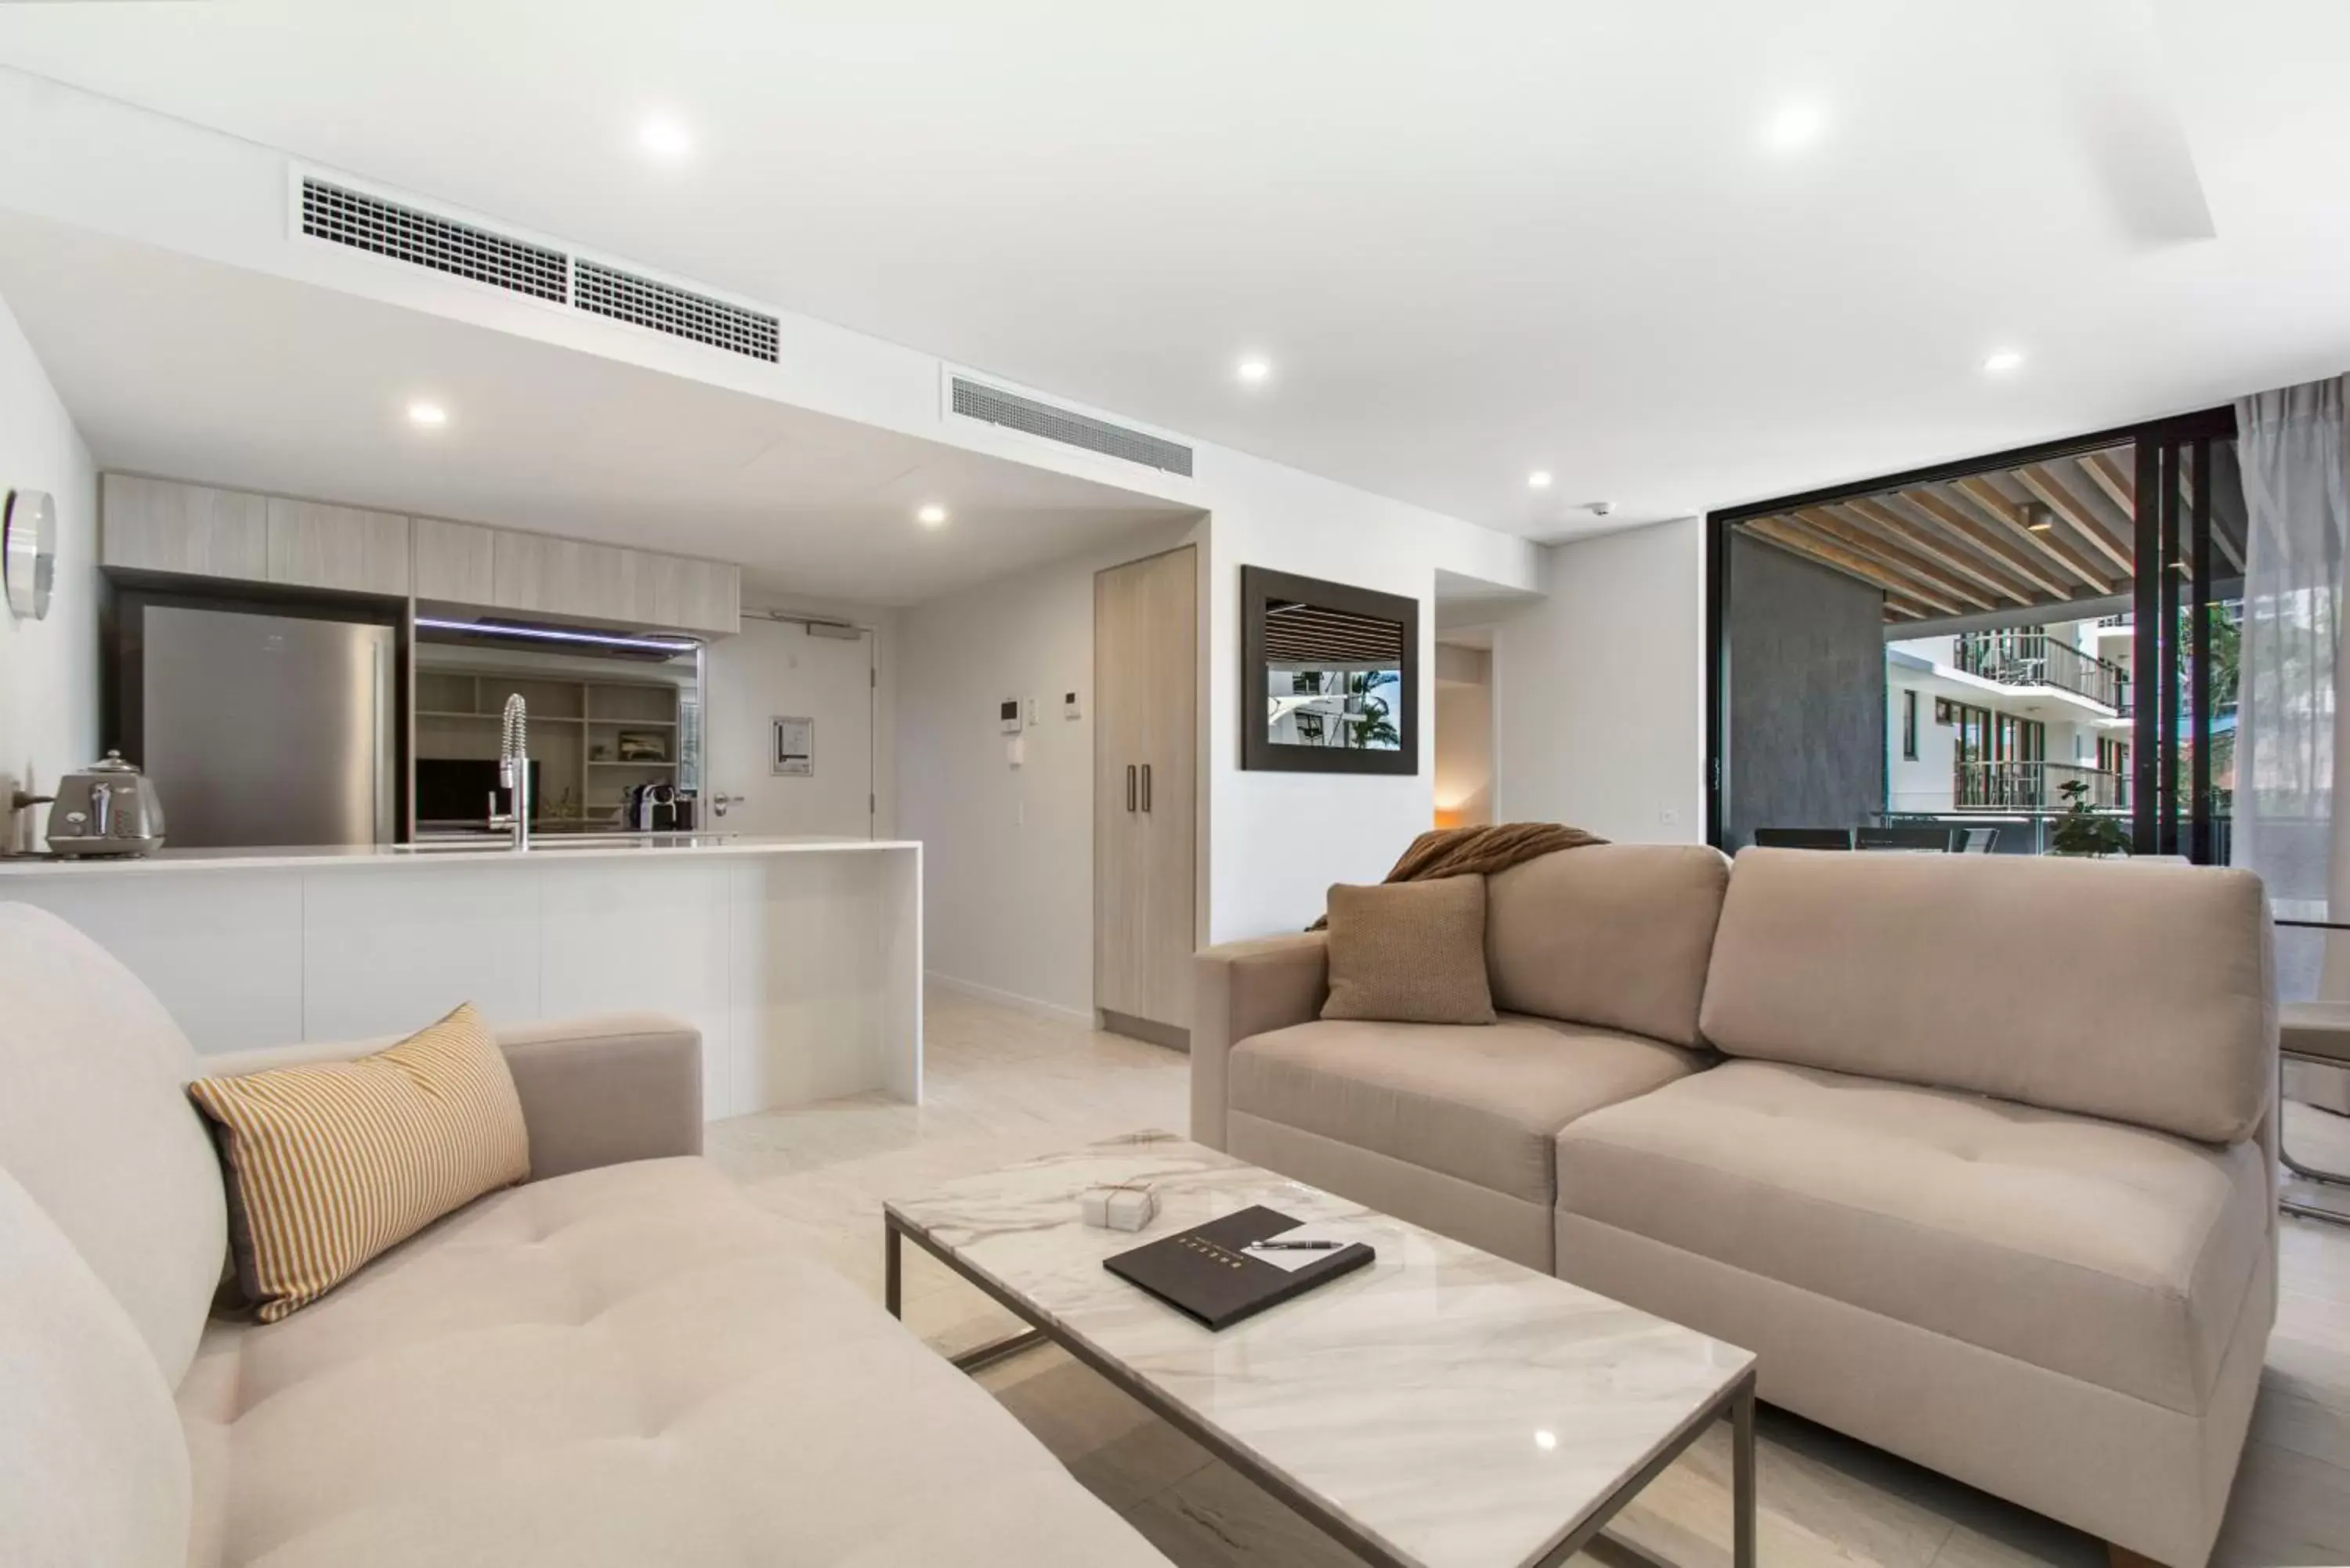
1374	728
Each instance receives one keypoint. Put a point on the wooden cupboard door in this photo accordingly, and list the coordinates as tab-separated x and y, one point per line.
313	545
189	530
1118	873
564	576
1169	745
689	593
456	562
1146	714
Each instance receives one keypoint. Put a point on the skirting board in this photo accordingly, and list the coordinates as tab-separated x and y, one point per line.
1010	998
1150	1031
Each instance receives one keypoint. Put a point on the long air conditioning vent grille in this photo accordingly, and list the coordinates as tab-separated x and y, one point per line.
975	400
425	239
678	312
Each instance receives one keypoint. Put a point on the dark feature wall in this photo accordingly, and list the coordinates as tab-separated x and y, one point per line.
1805	694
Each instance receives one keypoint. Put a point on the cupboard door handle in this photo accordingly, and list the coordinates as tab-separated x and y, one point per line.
1129	786
1145	787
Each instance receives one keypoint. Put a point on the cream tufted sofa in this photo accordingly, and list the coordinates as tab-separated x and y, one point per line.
1976	1153
622	1363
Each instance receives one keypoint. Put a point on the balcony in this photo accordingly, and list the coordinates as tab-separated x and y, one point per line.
2035	658
2034	787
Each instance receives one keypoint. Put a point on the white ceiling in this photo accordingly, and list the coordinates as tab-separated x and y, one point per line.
1475	240
187	369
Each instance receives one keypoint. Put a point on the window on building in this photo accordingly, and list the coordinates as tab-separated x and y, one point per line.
1908	725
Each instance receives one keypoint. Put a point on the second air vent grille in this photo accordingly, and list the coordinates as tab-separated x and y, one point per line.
978	401
425	239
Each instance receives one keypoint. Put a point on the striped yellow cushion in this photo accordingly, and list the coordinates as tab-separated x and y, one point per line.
330	1164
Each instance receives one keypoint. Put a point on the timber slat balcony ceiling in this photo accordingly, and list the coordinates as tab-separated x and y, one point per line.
2048	533
1307	634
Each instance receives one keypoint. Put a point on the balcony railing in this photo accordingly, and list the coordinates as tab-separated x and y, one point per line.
2035	658
2034	786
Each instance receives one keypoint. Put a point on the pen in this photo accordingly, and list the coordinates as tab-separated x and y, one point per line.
1297	1246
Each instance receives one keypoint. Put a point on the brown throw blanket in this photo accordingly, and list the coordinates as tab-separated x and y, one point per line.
1479	851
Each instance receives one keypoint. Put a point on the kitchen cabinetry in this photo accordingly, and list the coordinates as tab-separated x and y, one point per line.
1146	742
166	527
541	573
564	577
188	530
456	562
312	545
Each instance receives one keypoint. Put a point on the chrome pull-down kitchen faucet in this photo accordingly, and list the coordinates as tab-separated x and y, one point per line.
513	772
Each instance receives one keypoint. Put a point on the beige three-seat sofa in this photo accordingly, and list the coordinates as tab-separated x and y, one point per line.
1974	1152
623	1362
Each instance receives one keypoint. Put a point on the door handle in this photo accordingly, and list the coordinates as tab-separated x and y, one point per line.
1129	786
1145	787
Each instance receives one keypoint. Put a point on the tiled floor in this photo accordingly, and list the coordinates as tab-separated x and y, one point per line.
1005	1085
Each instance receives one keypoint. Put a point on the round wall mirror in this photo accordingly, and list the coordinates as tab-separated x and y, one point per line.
29	551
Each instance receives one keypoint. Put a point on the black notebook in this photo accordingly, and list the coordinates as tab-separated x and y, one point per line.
1203	1272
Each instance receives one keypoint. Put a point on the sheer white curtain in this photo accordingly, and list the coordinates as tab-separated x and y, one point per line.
2293	446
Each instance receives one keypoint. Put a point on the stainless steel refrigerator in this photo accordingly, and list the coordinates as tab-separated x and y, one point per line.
263	729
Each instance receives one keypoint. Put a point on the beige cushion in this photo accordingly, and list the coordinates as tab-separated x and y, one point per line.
1613	935
2107	1253
1482	1104
624	1367
333	1161
1412	952
2140	992
92	1469
94	1126
2320	1029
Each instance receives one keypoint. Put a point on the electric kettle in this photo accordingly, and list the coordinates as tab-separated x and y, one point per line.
108	808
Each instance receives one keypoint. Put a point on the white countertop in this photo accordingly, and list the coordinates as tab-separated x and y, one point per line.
339	855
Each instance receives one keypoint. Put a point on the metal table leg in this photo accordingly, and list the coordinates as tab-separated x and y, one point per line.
2307	1172
1742	1477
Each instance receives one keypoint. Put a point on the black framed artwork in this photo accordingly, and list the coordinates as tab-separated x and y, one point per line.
1329	677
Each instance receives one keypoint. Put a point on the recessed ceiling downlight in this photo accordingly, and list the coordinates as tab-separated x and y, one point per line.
1795	126
1255	370
664	138
2002	360
428	415
931	515
1538	480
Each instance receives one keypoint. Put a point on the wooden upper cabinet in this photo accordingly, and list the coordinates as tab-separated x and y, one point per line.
607	582
692	594
456	562
192	531
312	545
564	577
188	530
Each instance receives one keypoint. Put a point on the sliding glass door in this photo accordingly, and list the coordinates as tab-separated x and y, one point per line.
2032	653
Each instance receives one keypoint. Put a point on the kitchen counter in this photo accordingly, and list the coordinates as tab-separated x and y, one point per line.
436	852
800	959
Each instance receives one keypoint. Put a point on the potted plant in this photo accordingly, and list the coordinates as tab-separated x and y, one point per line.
2082	829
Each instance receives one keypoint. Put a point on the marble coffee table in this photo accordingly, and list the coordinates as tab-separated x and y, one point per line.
1442	1408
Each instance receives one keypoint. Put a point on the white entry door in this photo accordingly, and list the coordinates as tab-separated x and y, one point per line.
781	670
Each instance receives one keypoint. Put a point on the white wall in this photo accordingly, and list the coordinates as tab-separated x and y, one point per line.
1278	840
1598	690
48	669
1008	852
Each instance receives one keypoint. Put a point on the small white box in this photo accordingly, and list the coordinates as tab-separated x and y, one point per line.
1124	1207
